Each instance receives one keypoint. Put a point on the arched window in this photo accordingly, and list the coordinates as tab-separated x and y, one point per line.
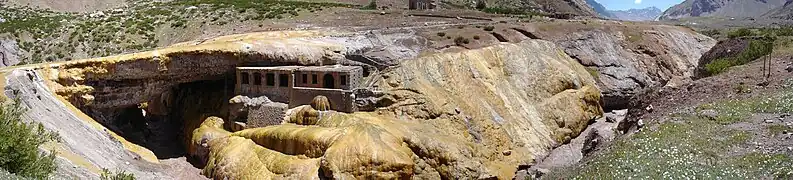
328	81
246	78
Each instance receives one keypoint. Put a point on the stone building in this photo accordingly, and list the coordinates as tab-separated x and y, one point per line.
421	4
298	85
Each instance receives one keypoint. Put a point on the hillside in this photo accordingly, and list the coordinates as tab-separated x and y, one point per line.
721	8
68	6
784	12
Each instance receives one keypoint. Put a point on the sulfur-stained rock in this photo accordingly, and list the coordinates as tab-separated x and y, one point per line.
526	97
320	103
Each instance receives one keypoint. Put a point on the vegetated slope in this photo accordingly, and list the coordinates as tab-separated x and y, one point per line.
646	14
44	35
721	8
574	7
68	5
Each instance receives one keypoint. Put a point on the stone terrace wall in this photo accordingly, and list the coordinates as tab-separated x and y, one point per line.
340	100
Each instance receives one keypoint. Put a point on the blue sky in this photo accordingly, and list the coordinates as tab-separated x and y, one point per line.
638	4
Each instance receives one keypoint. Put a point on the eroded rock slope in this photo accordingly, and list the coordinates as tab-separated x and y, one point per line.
625	58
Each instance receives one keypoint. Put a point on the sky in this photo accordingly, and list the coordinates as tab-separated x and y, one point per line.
638	4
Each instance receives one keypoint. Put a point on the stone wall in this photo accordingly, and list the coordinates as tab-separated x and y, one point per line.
266	115
340	100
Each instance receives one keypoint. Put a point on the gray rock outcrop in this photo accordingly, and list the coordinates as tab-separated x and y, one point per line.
9	52
628	59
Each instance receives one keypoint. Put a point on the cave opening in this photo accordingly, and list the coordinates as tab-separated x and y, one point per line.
165	122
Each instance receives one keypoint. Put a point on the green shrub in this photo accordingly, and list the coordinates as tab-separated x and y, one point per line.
480	4
441	34
743	32
19	143
756	49
711	33
461	40
371	6
476	37
489	28
121	175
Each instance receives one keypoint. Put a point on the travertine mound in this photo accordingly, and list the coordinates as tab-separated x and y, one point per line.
518	100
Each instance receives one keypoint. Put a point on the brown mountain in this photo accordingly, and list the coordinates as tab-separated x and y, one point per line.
721	8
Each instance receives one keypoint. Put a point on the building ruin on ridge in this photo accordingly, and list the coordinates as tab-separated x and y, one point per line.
421	4
298	85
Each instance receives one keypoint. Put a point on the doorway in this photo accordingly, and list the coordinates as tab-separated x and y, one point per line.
328	81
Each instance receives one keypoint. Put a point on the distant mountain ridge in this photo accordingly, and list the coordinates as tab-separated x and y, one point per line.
722	8
646	14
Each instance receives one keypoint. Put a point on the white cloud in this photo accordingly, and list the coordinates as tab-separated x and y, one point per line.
637	1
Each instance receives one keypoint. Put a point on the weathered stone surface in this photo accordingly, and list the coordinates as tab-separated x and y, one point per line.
629	58
9	53
526	97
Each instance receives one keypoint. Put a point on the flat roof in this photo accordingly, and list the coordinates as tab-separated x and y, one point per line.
289	68
329	68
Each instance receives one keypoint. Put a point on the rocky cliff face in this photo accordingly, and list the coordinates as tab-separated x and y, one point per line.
721	8
626	58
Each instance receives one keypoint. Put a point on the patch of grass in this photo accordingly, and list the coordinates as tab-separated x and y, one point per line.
691	149
594	73
756	49
120	175
778	129
512	11
19	142
742	88
634	37
732	111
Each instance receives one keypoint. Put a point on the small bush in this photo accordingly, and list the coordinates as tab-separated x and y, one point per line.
480	4
122	175
489	28
461	40
743	32
441	34
371	6
460	27
19	142
476	37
